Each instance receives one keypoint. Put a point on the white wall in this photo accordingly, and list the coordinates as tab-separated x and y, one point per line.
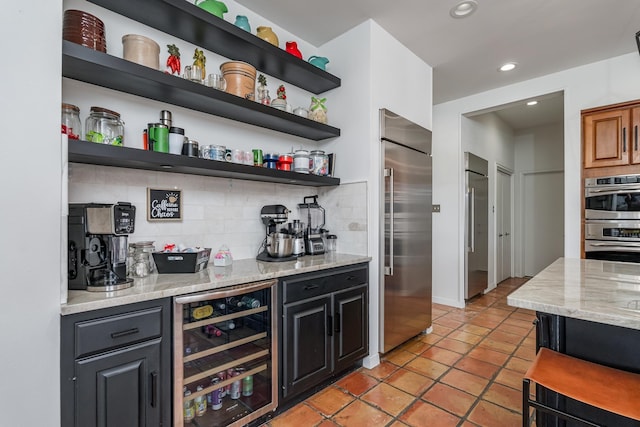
381	74
30	168
600	83
539	152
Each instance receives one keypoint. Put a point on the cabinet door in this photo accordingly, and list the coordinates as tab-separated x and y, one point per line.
308	334
351	326
634	135
120	388
606	138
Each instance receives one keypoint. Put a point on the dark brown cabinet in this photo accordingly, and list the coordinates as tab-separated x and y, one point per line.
610	135
116	366
324	328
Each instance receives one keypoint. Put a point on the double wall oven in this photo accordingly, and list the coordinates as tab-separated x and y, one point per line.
612	218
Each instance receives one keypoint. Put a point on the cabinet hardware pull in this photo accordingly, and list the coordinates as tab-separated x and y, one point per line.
310	287
154	389
337	329
351	278
635	130
125	333
330	326
624	140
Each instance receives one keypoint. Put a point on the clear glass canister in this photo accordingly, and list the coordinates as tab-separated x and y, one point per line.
141	263
104	126
71	124
319	163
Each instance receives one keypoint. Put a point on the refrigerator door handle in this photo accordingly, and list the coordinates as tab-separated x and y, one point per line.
472	219
388	269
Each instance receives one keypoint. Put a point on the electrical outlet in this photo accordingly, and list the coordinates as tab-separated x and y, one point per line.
435	208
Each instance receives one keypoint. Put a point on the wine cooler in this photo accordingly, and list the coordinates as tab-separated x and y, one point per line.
225	361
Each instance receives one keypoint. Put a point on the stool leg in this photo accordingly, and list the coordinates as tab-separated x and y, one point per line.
525	402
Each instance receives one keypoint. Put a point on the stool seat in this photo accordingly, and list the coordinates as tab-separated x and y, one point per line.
600	386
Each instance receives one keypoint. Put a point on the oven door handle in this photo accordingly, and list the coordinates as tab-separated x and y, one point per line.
607	191
618	245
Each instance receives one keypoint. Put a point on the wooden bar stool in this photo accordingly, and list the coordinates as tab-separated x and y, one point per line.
606	388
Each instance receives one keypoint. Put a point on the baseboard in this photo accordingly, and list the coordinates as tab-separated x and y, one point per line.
371	361
449	302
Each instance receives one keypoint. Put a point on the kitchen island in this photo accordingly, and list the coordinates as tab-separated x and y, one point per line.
589	309
156	286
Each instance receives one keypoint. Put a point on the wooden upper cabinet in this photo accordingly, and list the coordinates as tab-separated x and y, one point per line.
610	136
635	143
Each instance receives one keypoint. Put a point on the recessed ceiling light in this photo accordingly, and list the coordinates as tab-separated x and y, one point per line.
508	66
531	103
463	9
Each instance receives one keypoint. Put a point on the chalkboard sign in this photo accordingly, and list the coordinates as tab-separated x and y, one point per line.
164	205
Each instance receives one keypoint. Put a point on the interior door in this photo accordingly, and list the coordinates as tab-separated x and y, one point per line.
503	226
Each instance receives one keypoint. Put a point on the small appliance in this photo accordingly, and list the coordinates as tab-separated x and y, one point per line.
97	246
297	231
310	209
278	244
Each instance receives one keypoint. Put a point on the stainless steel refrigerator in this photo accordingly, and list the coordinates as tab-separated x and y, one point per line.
405	308
476	260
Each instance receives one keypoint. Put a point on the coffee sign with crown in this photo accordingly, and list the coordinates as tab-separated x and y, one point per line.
164	204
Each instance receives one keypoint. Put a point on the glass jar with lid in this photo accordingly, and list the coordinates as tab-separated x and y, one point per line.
104	126
141	264
71	124
301	161
319	163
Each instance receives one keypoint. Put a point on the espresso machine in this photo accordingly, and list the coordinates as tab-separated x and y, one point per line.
97	246
314	213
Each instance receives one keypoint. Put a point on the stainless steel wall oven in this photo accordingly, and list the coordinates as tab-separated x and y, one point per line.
612	218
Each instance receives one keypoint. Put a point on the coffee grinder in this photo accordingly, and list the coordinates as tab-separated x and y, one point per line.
98	245
314	244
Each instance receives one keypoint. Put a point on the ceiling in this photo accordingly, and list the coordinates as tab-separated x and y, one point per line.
542	36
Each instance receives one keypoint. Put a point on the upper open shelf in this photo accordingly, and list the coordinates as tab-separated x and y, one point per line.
91	66
188	22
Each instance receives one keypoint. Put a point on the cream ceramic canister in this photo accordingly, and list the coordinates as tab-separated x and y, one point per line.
267	34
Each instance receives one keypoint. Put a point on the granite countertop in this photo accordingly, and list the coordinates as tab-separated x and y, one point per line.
599	291
241	271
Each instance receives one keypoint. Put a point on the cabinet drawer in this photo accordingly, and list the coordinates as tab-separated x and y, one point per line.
116	331
296	288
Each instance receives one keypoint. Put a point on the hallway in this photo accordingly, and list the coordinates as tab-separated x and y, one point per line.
467	373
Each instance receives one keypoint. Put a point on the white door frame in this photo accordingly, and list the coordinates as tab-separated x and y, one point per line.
510	173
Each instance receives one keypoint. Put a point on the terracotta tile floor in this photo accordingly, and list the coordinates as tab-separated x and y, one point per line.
468	372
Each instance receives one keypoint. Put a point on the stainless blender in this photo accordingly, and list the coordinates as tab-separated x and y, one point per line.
314	244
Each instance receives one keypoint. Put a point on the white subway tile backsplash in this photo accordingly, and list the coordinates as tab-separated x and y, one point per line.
220	211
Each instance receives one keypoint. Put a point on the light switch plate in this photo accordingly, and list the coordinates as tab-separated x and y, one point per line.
435	208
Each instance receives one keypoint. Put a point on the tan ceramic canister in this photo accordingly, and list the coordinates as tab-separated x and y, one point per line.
240	78
141	50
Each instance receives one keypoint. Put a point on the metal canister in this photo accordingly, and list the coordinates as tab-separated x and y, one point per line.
190	148
247	385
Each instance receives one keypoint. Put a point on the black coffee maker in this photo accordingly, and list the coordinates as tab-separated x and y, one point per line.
98	245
